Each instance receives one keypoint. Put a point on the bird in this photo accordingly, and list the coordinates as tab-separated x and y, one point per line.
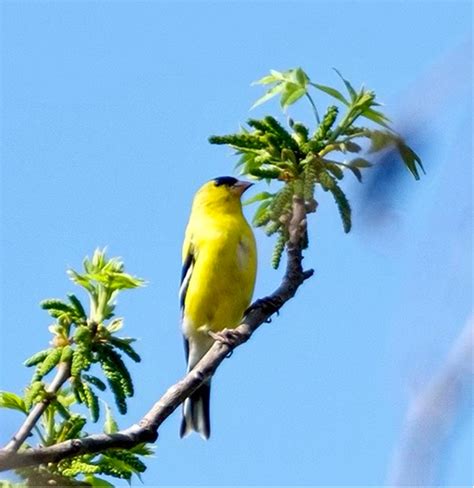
219	265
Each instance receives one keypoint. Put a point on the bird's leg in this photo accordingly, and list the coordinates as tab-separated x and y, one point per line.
266	304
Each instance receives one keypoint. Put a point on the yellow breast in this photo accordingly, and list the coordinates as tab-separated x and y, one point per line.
224	270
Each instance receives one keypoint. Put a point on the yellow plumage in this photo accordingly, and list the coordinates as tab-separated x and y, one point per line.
219	269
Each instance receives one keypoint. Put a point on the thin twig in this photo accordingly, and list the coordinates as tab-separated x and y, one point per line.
29	424
146	430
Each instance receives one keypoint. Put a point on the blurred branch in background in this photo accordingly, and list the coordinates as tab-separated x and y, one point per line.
431	417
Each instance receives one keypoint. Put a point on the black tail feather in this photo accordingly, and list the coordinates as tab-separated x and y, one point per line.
196	413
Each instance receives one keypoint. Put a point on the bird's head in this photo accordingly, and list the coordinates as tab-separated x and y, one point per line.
222	193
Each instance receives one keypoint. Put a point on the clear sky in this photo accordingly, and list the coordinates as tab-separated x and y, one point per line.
106	110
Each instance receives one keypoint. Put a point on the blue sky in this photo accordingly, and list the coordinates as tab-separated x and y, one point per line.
106	110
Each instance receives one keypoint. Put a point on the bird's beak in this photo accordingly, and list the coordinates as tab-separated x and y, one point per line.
242	186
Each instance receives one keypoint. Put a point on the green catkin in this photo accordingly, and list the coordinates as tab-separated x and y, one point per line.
326	180
83	335
81	313
116	361
282	134
32	392
289	156
272	227
131	459
310	176
80	361
262	219
265	173
278	249
67	354
262	159
335	170
330	184
301	133
110	467
281	201
56	304
245	141
326	124
299	187
126	348
92	402
343	206
115	383
78	390
78	467
51	360
37	358
93	380
258	125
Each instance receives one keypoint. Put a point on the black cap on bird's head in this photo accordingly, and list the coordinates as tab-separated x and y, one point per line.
225	180
233	183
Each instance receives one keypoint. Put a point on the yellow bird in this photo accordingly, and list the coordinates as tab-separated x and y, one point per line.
217	281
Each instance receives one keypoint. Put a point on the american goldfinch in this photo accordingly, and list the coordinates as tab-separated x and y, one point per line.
217	281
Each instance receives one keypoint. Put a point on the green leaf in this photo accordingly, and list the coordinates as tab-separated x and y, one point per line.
301	77
264	195
356	172
350	89
332	92
269	94
360	163
278	75
260	216
98	482
130	461
80	280
110	425
12	401
291	95
115	325
266	80
377	117
410	158
122	281
142	450
350	146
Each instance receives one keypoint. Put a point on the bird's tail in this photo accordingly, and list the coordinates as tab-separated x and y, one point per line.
196	412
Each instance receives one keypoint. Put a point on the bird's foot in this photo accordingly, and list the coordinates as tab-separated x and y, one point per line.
229	337
267	305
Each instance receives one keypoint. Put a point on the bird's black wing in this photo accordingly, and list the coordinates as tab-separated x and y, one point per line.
186	273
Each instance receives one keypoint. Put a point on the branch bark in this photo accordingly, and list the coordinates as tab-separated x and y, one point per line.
146	430
24	431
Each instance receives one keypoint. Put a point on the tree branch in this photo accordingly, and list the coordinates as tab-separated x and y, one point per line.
431	415
146	430
24	431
